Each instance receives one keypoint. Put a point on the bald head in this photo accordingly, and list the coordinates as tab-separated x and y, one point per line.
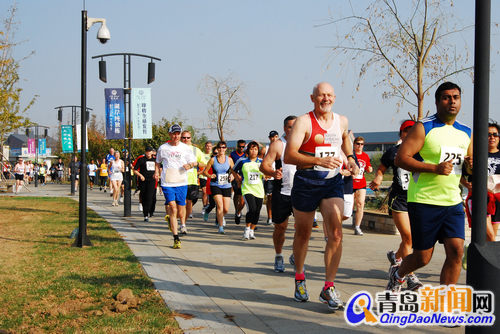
323	97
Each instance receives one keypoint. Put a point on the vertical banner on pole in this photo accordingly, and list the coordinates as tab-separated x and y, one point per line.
42	147
115	113
141	113
67	138
31	146
79	138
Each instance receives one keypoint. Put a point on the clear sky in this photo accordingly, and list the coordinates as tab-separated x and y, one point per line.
273	46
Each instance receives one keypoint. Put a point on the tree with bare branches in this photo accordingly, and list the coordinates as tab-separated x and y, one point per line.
410	50
227	102
11	115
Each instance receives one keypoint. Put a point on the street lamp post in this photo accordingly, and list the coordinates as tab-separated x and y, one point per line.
73	124
103	36
127	84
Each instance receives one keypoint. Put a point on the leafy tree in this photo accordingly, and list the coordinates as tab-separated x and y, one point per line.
11	115
227	102
410	54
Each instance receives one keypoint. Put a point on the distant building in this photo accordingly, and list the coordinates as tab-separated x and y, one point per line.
18	144
378	142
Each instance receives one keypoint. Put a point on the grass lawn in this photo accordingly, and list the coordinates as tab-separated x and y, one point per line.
48	286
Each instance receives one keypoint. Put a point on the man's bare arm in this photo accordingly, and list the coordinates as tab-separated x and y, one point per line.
273	154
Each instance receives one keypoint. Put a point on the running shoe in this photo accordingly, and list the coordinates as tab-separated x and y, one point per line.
464	259
252	236
357	231
291	260
331	297
146	219
279	264
315	224
100	188
121	199
167	218
177	244
184	229
269	222
221	230
223	221
205	216
394	284
301	294
203	210
246	234
413	283
140	207
104	190
191	215
237	219
391	256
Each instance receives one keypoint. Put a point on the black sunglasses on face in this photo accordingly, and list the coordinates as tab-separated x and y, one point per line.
494	134
185	137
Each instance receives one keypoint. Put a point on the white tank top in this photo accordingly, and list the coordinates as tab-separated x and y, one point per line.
288	172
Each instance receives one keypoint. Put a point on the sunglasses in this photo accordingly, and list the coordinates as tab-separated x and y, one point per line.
185	137
494	134
222	147
359	144
241	146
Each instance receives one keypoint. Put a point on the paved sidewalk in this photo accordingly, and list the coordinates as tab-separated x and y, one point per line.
223	284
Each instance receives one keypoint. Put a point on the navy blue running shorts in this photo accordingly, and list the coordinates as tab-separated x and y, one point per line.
307	193
397	203
431	223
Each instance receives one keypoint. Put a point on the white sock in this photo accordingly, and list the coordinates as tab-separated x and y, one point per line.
279	254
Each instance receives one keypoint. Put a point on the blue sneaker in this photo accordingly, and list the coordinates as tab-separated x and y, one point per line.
279	264
205	216
301	294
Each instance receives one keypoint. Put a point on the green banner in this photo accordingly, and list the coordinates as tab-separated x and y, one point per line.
67	138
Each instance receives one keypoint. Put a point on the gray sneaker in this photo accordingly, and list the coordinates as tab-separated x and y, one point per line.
301	294
357	231
391	256
331	297
279	264
394	284
412	282
291	260
184	229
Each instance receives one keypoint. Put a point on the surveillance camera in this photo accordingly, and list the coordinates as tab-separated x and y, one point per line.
103	34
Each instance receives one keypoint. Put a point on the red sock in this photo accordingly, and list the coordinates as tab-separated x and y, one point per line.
300	277
328	285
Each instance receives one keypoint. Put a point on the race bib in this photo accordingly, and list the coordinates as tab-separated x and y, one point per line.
253	177
360	174
404	178
150	165
323	152
222	179
455	155
116	170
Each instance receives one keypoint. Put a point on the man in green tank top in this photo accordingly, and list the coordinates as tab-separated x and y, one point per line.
435	151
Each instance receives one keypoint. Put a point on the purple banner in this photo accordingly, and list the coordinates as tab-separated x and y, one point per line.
31	146
115	113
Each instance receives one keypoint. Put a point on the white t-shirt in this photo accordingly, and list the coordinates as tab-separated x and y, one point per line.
173	158
92	168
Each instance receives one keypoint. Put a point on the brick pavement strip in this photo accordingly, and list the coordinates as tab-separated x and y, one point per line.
222	284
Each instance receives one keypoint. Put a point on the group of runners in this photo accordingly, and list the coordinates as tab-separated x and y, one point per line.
309	164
